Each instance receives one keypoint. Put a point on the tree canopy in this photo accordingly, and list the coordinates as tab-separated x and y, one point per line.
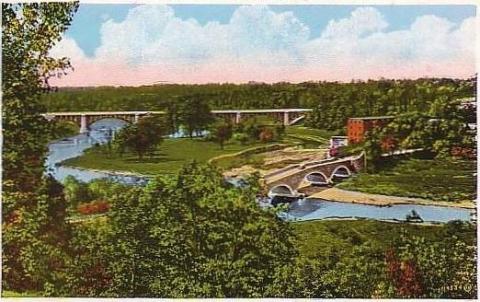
35	234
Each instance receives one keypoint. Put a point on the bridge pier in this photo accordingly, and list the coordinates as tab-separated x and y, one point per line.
136	118
238	117
83	124
285	118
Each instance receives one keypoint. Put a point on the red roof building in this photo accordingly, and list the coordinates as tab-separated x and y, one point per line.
357	127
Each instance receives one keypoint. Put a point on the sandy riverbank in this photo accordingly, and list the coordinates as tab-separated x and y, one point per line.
335	194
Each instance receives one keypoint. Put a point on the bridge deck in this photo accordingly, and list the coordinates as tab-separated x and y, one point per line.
162	112
299	167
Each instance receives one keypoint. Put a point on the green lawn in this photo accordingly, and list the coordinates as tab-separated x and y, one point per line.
436	179
321	238
172	154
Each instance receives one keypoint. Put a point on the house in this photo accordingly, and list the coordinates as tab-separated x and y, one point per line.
357	127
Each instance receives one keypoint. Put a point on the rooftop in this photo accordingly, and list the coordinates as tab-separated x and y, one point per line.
384	117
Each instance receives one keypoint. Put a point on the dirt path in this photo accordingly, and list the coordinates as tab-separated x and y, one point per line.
274	160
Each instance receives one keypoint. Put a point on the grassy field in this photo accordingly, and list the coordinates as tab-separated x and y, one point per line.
169	158
434	179
317	238
173	153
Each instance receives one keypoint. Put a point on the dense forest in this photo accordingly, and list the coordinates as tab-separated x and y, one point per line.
333	102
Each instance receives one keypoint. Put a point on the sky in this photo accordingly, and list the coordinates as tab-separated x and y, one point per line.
125	44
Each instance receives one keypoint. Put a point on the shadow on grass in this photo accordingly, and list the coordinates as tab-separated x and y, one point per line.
157	157
389	163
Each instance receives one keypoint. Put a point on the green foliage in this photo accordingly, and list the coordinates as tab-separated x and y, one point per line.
252	128
28	32
332	102
141	137
435	179
76	191
439	130
35	236
62	129
194	114
87	272
446	269
221	132
373	150
191	236
346	259
241	138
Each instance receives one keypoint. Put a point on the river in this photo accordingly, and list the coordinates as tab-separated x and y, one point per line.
299	210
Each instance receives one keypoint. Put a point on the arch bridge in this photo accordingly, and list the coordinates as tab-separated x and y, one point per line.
287	182
85	119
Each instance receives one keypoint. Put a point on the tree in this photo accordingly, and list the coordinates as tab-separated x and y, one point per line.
194	114
266	135
28	32
221	132
422	269
172	118
141	137
357	276
373	150
252	128
194	236
35	239
242	138
76	191
87	273
34	232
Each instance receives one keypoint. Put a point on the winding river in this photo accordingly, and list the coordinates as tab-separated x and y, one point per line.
299	210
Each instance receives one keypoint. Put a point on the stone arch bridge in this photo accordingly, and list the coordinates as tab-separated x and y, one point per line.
85	119
287	182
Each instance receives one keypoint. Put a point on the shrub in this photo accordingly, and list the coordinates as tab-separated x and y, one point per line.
94	207
266	135
242	138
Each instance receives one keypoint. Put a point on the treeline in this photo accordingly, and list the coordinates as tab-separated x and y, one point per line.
333	102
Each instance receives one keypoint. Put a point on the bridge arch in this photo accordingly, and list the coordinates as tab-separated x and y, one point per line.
341	171
119	120
116	122
317	178
95	119
281	190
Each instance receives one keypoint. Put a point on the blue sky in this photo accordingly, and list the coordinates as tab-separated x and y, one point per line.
85	28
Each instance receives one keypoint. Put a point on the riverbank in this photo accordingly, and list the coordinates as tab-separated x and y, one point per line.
340	195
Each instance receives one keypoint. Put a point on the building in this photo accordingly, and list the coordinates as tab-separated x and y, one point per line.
357	127
338	141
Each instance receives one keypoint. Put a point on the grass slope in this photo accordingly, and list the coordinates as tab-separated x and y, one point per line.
435	179
317	238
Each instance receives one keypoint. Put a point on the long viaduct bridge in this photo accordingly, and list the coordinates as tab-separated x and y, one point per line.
85	119
287	182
